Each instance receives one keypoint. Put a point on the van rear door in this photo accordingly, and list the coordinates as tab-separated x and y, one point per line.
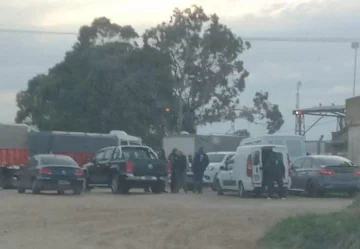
283	153
257	168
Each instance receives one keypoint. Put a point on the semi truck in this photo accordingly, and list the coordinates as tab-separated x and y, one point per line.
18	142
13	152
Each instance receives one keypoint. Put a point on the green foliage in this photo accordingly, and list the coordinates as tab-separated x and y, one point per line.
107	81
208	74
330	231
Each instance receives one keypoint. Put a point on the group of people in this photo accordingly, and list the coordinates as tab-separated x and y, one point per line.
180	165
274	172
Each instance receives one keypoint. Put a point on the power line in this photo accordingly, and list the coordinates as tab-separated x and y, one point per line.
251	38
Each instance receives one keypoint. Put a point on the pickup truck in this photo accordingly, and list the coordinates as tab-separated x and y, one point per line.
124	167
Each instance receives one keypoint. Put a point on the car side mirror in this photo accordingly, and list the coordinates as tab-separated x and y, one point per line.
222	168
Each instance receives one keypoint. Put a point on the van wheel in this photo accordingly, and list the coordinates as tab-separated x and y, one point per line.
218	187
241	191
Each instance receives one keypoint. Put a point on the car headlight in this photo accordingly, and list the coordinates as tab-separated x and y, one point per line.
211	168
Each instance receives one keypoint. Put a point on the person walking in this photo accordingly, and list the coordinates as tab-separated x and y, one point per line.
172	158
200	162
180	172
275	173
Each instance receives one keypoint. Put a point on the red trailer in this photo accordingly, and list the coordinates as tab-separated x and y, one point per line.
13	152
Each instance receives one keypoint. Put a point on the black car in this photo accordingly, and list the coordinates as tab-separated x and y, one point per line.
51	172
124	167
317	175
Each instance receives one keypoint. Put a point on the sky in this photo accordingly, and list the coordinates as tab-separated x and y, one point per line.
325	69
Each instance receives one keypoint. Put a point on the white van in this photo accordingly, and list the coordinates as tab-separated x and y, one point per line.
295	144
244	172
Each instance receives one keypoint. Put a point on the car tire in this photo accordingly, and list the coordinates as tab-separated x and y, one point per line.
60	192
311	190
35	189
241	190
218	187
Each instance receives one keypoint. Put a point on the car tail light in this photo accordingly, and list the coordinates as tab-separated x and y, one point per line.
249	167
357	173
45	172
129	167
169	167
326	172
79	172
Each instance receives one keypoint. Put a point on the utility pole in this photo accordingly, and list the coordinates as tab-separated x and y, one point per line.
298	85
355	46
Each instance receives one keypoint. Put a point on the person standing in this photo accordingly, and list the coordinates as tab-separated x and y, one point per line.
180	172
162	157
275	169
201	161
172	158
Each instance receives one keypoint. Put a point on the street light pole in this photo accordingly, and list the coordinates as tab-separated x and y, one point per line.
355	46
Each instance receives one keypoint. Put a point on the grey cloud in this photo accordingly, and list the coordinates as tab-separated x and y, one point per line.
325	69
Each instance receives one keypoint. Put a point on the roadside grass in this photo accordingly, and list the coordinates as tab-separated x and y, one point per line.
340	230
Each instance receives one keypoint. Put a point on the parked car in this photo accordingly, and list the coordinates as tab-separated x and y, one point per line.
216	160
244	173
317	175
51	172
124	167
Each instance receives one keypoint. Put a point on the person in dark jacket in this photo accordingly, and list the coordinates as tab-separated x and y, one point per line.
275	173
180	172
200	162
172	158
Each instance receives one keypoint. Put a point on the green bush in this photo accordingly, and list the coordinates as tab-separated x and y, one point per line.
339	230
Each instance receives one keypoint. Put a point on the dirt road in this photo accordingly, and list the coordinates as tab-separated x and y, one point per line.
144	221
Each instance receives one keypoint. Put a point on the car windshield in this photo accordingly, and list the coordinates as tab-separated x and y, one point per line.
137	153
216	158
63	161
335	161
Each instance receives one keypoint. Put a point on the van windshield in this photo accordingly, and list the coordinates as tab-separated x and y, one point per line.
216	158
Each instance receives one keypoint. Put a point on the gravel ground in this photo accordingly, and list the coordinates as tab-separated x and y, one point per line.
144	221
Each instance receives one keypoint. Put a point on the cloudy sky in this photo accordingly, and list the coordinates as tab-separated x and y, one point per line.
325	69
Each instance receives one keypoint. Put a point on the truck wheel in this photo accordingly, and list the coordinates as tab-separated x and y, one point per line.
115	184
118	186
35	189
